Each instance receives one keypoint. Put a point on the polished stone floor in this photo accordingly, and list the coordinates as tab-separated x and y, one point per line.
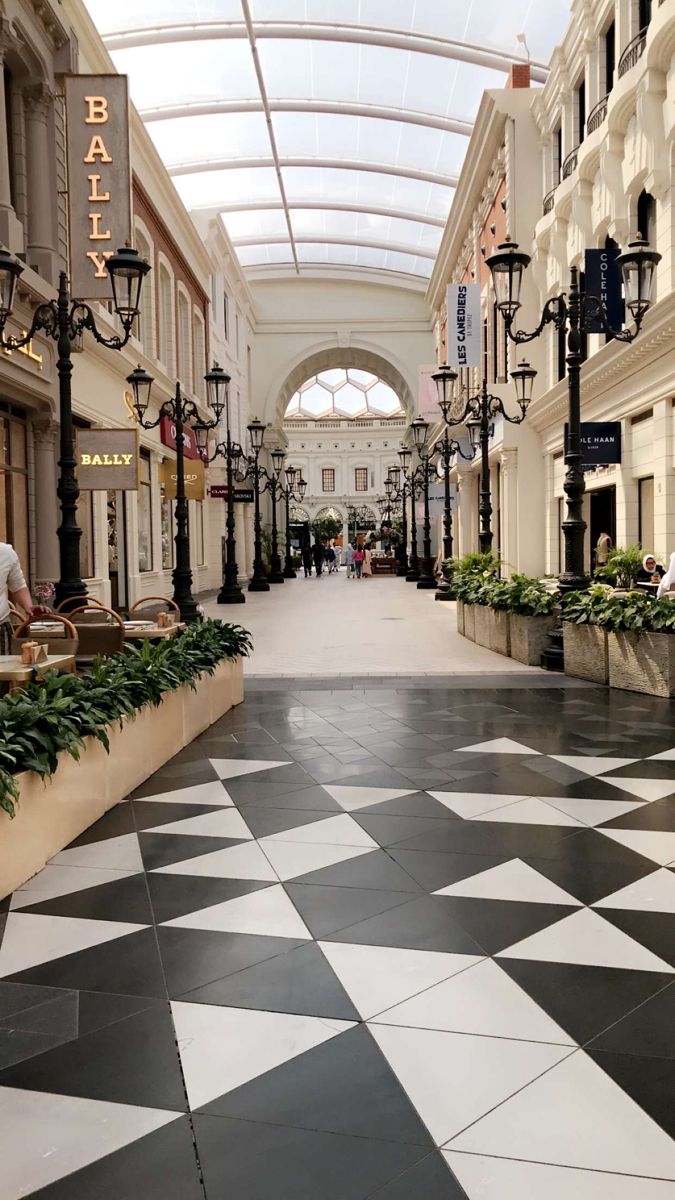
393	941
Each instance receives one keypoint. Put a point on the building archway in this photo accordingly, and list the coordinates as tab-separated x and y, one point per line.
344	357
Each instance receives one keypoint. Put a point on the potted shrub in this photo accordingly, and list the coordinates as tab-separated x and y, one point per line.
640	643
532	617
584	639
472	579
622	567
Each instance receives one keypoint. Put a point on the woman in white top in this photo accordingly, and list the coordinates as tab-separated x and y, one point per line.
12	583
667	584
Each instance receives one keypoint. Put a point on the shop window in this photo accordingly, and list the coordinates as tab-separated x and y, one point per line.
646	513
144	514
328	479
581	111
14	494
167	524
646	217
361	479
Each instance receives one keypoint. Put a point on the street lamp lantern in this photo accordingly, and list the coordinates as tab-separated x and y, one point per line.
405	455
524	377
290	474
473	428
638	264
420	429
388	487
445	379
127	270
507	266
217	389
140	383
277	455
201	432
256	432
395	477
301	487
10	270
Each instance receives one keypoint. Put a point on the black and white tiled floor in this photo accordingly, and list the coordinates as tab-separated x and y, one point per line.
369	942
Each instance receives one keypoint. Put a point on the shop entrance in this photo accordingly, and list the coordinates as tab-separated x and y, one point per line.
117	550
603	516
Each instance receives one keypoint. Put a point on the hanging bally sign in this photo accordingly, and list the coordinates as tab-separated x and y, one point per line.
464	325
99	178
107	460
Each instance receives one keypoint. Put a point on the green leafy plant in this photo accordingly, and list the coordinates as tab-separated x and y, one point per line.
57	713
584	608
523	595
635	612
327	527
622	566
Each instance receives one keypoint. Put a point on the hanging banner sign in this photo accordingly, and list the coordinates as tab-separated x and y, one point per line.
603	280
600	443
195	479
218	491
107	460
99	178
427	395
167	435
464	325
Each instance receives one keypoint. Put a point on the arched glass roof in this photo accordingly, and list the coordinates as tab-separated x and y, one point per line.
345	393
326	132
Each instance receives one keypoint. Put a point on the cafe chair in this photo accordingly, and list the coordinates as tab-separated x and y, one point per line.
16	615
152	606
65	641
99	637
81	601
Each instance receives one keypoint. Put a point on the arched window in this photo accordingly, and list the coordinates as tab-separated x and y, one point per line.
184	355
199	352
345	393
166	326
646	217
145	326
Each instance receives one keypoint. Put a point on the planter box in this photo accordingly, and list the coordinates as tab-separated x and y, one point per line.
470	622
50	815
500	632
642	662
482	624
460	617
529	637
586	653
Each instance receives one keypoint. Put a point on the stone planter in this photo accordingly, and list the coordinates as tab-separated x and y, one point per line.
642	662
482	625
500	632
586	653
460	617
470	621
529	637
51	814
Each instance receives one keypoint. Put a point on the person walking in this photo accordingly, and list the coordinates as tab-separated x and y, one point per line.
349	560
358	562
318	555
307	559
367	567
13	584
330	558
602	549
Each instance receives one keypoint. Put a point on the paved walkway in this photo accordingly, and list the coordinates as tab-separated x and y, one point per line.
334	627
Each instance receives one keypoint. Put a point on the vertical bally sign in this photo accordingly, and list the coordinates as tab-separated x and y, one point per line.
99	178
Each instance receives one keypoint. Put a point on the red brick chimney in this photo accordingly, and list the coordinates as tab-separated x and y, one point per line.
519	76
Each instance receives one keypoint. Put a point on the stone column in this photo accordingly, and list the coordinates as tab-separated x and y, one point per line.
45	437
664	477
11	230
509	512
40	242
462	527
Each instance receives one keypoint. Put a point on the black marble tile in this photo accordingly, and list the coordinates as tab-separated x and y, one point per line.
497	924
150	813
174	896
495	838
17	1045
647	1080
658	815
421	924
121	900
165	849
390	830
163	781
280	795
326	909
586	878
127	965
428	1179
654	930
648	1030
116	822
194	957
437	869
375	870
16	997
263	822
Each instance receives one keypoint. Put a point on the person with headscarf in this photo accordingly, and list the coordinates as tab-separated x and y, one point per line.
667	584
650	575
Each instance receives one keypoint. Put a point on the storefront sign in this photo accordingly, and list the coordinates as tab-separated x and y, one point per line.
600	443
28	350
107	460
99	178
464	325
195	479
603	280
167	434
218	491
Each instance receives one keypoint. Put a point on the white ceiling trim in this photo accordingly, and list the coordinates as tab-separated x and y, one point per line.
333	240
254	205
345	164
380	112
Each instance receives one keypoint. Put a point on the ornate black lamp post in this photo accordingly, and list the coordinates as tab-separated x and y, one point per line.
218	398
478	414
423	475
179	411
354	515
447	449
409	488
274	487
294	489
256	433
399	492
63	320
574	313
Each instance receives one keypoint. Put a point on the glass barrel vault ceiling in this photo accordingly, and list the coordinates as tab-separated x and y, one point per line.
326	132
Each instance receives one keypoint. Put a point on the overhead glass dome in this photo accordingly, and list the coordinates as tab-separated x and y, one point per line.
328	133
343	394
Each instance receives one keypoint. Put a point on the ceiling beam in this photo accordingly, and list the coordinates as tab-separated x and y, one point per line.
254	205
344	164
332	240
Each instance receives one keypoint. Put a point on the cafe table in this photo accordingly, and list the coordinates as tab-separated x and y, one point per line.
16	673
149	629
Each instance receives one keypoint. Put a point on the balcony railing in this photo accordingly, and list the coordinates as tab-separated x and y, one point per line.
570	163
633	52
549	201
597	115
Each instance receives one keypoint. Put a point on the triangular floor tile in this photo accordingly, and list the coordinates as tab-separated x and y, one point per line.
584	937
498	923
32	940
115	854
513	880
222	1048
665	756
482	1000
574	1116
590	765
529	812
246	861
124	900
263	822
660	847
230	768
502	745
62	881
455	1078
593	812
129	965
647	1079
646	789
344	1086
428	1178
354	798
328	909
166	849
177	895
502	1178
226	822
377	977
200	793
291	859
299	981
472	804
654	893
342	830
268	913
44	1137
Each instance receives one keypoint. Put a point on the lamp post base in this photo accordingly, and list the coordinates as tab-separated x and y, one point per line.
412	575
230	593
553	657
444	592
289	573
276	577
426	583
258	584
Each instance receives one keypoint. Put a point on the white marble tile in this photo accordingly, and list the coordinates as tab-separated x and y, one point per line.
584	937
200	793
377	977
514	880
44	1137
221	1048
593	812
455	1078
590	765
654	893
354	798
32	938
291	859
235	862
482	1000
115	854
472	804
529	812
226	822
230	768
665	756
504	1179
341	830
54	881
650	843
268	912
574	1116
502	745
646	789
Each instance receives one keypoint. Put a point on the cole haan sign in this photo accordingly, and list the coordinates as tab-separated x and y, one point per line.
99	178
107	460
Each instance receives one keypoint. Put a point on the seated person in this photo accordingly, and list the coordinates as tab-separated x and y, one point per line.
651	572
